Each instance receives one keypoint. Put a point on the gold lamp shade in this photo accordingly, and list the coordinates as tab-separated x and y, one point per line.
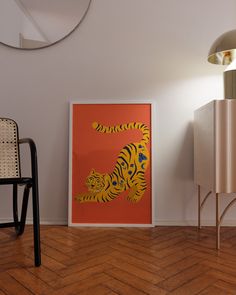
223	50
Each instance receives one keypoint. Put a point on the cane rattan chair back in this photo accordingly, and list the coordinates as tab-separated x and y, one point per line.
10	174
9	149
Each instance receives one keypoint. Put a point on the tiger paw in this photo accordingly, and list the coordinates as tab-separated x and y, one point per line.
79	199
133	199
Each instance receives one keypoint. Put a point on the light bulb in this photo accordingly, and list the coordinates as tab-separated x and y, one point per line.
231	66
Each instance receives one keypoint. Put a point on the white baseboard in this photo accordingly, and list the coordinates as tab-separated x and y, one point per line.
165	222
51	222
111	225
42	221
158	222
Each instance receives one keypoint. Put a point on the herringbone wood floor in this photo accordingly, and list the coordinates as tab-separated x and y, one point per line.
110	261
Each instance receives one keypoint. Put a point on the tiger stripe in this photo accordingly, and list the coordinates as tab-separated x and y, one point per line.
128	173
122	127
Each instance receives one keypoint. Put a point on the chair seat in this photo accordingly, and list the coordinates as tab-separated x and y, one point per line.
22	180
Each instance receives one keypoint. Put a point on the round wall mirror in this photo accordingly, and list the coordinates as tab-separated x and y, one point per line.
31	24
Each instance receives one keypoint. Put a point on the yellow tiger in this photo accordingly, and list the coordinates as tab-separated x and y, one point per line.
128	173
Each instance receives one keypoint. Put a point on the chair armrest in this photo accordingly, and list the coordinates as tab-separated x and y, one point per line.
33	153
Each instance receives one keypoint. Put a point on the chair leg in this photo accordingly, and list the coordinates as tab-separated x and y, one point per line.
37	249
24	209
15	208
20	226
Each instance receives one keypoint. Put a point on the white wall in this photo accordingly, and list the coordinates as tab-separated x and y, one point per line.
132	49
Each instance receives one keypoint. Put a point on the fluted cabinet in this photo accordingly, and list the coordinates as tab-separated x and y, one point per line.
215	154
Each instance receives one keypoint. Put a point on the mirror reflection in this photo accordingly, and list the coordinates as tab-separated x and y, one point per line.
31	24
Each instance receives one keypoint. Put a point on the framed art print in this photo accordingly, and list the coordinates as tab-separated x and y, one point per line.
110	169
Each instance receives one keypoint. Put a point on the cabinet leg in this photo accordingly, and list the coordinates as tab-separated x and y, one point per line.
199	206
217	223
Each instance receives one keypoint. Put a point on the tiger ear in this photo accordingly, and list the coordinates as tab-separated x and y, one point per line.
92	171
105	176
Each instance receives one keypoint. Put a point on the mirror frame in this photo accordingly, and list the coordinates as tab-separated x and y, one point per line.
59	40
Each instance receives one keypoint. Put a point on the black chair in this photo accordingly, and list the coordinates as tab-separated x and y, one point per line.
10	173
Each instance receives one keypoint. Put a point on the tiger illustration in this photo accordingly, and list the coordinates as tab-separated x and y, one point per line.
128	173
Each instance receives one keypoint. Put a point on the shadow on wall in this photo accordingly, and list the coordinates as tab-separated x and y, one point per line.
184	172
184	163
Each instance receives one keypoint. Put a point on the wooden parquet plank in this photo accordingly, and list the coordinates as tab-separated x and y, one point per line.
172	249
55	254
227	234
183	277
195	286
80	256
10	250
24	261
177	267
212	290
43	273
12	287
134	240
169	242
84	285
98	290
140	233
167	230
134	281
121	288
218	266
135	246
145	256
28	280
7	266
175	257
56	245
51	263
136	262
143	274
230	251
227	287
219	275
5	237
84	265
210	243
221	258
79	276
119	261
62	233
232	240
102	248
94	240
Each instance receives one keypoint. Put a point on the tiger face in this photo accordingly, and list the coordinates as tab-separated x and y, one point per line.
95	181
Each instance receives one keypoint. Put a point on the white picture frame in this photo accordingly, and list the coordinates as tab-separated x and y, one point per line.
88	103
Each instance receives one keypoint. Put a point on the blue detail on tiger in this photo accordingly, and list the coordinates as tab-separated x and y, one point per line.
130	172
114	183
141	157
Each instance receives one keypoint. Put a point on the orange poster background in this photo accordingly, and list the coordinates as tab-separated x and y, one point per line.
92	149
